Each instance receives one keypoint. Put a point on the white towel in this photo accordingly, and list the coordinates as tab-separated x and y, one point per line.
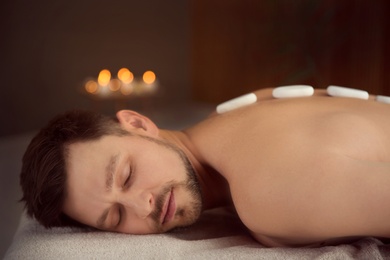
217	235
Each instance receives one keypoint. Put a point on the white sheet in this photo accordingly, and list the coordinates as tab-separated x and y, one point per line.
218	235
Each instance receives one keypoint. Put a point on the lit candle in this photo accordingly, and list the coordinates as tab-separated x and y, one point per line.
115	85
103	80
126	77
149	79
91	87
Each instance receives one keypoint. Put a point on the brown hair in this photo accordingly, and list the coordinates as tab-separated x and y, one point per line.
43	175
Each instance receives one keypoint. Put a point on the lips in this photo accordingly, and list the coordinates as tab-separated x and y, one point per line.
169	209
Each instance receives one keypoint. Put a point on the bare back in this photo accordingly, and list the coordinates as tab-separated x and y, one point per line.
304	170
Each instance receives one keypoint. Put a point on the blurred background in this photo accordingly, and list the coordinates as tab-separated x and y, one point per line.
202	52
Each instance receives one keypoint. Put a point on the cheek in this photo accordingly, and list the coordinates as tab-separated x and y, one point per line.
136	226
160	166
159	170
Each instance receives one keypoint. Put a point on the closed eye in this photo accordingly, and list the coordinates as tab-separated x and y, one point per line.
120	213
127	180
124	186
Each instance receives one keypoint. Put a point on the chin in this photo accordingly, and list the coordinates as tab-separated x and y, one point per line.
191	217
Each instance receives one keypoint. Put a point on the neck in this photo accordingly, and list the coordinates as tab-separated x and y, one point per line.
215	189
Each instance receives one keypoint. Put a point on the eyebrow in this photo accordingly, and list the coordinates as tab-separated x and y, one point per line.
110	174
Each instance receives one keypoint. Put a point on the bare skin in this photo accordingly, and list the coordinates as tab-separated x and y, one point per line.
305	170
301	171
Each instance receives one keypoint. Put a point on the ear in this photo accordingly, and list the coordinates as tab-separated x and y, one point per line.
133	121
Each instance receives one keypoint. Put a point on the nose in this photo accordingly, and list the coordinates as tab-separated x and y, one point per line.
141	203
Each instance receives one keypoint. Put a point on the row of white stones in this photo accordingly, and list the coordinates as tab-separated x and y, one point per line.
298	91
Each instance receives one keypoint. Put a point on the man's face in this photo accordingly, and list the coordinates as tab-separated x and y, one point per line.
131	184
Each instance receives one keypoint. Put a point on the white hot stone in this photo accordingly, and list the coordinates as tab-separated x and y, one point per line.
337	91
383	99
293	91
237	102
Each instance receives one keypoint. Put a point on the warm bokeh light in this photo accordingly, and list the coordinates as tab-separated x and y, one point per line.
122	84
104	77
125	75
127	89
115	84
91	86
149	77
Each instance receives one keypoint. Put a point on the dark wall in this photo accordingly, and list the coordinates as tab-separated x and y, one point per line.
240	46
48	48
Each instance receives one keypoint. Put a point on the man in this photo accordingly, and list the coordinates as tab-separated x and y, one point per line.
299	171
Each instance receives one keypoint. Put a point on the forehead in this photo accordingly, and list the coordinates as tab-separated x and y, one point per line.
100	150
87	155
98	146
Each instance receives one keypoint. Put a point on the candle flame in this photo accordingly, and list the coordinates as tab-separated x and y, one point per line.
125	75
91	86
115	84
149	77
104	77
